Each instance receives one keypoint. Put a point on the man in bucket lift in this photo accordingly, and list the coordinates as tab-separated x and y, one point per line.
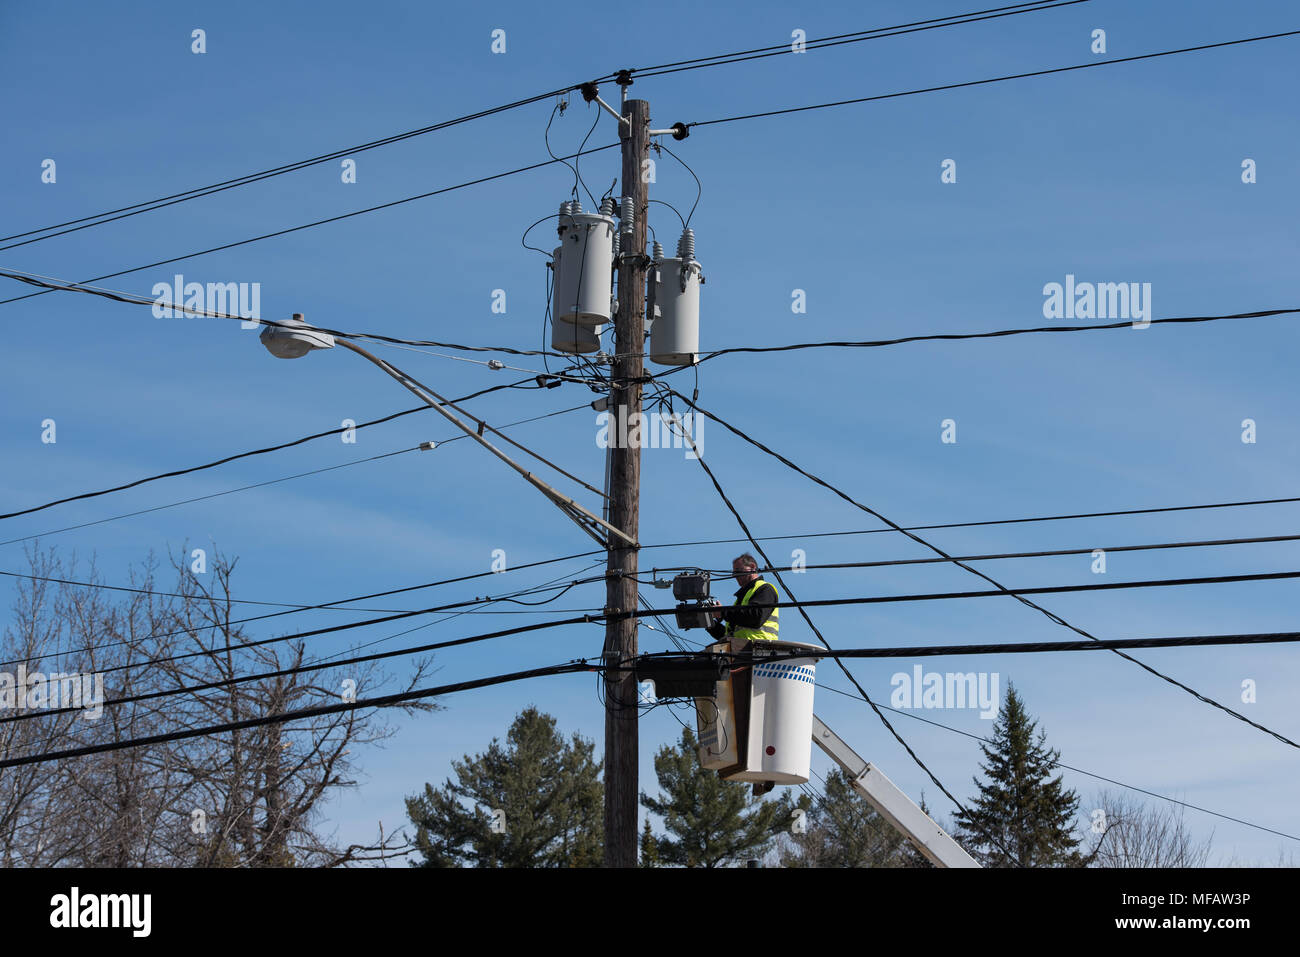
754	617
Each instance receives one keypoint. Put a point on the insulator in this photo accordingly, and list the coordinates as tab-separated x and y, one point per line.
575	206
627	215
686	246
658	251
607	206
617	244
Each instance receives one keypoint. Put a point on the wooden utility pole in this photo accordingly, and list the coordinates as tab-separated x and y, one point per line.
621	744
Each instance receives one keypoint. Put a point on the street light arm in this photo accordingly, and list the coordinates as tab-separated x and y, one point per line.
575	511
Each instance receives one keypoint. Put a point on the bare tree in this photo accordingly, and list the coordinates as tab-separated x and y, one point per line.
1129	833
250	797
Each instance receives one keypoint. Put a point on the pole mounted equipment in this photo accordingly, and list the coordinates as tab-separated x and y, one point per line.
296	338
675	291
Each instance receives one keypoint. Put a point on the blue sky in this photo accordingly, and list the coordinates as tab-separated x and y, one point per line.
1130	173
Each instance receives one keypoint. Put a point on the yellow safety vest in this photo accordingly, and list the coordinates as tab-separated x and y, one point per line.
768	632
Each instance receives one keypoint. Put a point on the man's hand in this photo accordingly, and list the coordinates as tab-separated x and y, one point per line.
717	614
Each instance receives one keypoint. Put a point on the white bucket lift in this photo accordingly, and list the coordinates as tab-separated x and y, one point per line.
758	724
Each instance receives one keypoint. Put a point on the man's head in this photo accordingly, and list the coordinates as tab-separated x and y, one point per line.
745	569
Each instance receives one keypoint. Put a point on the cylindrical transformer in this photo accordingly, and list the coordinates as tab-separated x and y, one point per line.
675	332
569	336
583	273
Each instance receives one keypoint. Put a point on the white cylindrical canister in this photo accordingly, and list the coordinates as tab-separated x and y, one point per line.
567	336
675	333
584	270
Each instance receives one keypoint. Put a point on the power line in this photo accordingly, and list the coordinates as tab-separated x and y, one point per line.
202	498
859	36
169	594
244	455
135	209
980	524
332	658
820	637
327	663
1059	764
502	633
429	624
1018	595
995	79
904	652
299	606
955	336
861	691
1026	647
340	601
245	488
890	562
321	222
384	701
148	206
597	615
52	284
815	603
1003	592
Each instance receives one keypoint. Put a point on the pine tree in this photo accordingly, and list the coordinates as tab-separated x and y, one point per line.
843	830
1022	817
536	803
649	847
711	822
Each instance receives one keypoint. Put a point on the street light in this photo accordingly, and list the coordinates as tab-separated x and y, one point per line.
294	338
